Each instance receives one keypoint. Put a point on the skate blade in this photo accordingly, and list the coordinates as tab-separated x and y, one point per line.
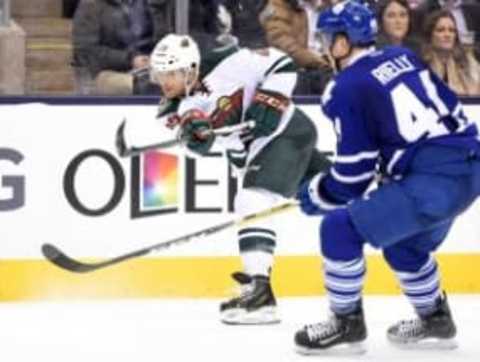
343	349
427	344
266	315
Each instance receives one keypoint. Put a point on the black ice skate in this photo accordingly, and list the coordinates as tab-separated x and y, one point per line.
255	305
341	334
435	331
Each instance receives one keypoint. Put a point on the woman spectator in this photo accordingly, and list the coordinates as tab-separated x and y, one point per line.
465	12
447	57
395	23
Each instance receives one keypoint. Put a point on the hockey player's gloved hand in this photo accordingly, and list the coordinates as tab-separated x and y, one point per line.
266	109
266	119
311	200
195	130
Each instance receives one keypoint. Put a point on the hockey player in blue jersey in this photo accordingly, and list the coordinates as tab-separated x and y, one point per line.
395	120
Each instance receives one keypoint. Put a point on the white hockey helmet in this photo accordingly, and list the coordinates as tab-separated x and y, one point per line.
175	52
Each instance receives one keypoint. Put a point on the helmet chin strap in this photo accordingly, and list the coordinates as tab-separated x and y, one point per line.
190	79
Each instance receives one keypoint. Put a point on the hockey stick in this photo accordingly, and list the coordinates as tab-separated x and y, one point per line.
135	151
60	259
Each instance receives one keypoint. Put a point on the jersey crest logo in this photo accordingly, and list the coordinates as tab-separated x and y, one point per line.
229	109
224	103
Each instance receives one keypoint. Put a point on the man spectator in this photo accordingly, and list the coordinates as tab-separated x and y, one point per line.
245	22
112	42
203	22
69	7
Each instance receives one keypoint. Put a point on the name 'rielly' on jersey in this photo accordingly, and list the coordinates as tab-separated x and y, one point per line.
412	107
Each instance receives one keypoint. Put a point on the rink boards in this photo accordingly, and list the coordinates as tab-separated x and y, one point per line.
61	182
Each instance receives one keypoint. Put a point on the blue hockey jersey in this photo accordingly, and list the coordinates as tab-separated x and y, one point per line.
384	106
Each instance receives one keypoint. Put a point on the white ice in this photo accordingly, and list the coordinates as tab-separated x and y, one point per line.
189	330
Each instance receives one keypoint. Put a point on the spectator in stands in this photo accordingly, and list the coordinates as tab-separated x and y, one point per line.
112	41
414	4
447	57
465	12
69	8
245	22
203	21
394	19
290	25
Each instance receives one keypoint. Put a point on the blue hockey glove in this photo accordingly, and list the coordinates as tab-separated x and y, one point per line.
311	201
195	127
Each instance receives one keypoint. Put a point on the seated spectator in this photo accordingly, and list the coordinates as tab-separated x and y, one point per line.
414	4
112	42
465	12
447	57
69	7
203	21
394	20
244	22
290	25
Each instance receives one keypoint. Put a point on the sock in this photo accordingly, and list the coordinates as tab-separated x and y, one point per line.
256	249
344	284
422	288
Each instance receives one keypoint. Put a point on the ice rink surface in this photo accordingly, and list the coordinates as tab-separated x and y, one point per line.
189	330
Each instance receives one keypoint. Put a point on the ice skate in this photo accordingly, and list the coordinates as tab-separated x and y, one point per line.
435	331
256	303
341	334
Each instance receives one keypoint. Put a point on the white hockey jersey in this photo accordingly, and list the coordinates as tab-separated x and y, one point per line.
229	79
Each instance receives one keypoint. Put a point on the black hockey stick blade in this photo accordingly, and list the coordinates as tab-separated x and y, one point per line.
62	260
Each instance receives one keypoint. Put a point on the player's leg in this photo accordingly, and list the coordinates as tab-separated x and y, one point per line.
419	277
416	213
274	173
344	271
256	303
283	163
385	217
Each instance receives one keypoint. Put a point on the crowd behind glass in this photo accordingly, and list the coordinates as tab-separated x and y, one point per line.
112	39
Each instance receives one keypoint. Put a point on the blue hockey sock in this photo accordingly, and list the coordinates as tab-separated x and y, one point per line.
422	287
344	284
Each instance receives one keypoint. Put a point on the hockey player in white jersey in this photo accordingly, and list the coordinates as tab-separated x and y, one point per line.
231	86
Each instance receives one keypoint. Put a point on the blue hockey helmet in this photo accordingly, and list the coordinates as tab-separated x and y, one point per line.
351	18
